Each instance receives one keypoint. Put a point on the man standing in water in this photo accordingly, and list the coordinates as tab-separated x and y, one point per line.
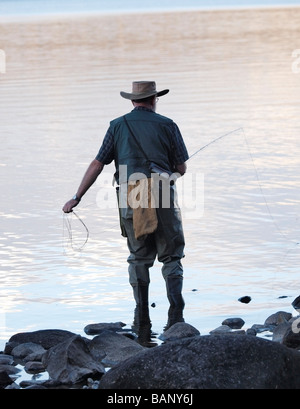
142	143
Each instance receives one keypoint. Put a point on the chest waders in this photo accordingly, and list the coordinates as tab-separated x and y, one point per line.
167	243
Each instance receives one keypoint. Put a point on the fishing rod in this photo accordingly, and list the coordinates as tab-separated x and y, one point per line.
215	140
173	176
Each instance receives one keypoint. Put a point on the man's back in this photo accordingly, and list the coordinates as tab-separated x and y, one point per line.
145	137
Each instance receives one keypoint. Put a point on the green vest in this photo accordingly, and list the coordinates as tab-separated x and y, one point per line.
153	132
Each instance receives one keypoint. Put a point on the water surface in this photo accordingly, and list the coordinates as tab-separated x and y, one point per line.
226	70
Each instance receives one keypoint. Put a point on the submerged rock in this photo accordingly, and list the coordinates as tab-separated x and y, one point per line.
245	299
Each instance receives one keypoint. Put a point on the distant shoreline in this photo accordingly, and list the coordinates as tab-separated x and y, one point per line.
24	17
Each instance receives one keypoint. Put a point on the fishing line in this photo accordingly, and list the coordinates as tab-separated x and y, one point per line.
263	195
292	242
256	175
288	240
68	225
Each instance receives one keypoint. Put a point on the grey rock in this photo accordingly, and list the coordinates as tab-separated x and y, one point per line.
5	380
291	337
6	359
13	386
251	332
179	330
9	369
35	356
259	328
9	346
234	323
22	350
71	362
37	386
280	331
91	384
33	367
47	338
296	303
95	329
237	332
112	348
209	362
278	318
220	330
245	299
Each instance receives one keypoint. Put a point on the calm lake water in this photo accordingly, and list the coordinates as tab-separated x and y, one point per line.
240	198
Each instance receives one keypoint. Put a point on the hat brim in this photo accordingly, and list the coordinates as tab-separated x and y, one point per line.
136	97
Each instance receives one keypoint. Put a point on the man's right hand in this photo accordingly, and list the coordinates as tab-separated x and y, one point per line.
68	207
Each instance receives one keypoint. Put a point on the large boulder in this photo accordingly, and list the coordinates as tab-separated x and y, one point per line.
71	362
47	338
205	362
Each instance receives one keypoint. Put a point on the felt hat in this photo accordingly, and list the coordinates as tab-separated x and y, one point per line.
143	89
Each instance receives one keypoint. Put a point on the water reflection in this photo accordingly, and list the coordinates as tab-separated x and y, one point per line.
142	327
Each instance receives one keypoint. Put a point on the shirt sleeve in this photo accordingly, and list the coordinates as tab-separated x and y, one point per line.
180	153
106	151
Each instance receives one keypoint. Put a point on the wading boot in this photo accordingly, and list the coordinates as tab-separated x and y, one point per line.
142	324
174	294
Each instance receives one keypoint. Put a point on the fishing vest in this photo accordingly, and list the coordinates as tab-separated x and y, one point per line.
153	132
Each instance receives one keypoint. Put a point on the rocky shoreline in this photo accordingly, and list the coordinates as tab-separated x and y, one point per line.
263	356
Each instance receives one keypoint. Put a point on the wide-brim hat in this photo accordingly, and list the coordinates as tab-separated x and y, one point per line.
143	89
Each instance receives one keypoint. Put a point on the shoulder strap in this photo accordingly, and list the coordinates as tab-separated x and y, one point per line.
136	141
153	167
